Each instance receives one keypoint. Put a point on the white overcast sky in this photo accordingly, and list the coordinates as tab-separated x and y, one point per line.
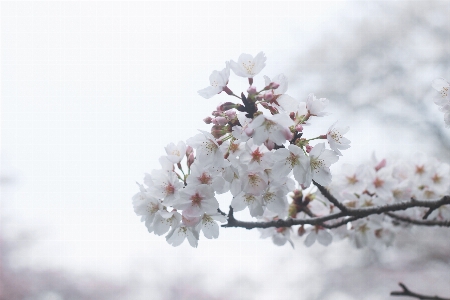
91	94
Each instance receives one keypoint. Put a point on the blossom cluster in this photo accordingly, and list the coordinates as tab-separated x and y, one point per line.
374	184
258	151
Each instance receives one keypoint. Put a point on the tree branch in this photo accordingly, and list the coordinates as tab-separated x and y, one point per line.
406	292
352	213
419	222
330	197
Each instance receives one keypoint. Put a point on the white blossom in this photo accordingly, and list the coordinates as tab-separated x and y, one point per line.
336	139
247	66
218	80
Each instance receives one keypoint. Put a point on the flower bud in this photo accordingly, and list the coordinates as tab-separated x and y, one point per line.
299	128
301	230
189	150
252	90
308	148
216	113
292	116
274	85
249	131
207	120
219	130
226	106
268	95
221	121
231	114
190	159
382	164
269	144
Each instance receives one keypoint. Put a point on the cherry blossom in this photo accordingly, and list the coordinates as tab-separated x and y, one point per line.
289	159
280	81
316	106
196	200
320	161
247	66
218	80
318	234
336	139
271	128
209	225
176	153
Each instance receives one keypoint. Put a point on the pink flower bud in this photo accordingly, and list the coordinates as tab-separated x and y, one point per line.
252	90
381	164
231	114
249	131
190	159
292	116
221	121
301	230
274	85
299	128
268	95
207	120
189	150
308	148
269	144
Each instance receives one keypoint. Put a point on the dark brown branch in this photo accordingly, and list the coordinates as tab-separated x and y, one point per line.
330	197
419	222
428	213
406	292
354	213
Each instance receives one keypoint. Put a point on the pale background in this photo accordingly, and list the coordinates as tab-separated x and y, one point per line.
91	94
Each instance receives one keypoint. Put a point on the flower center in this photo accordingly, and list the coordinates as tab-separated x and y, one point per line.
420	170
249	67
196	199
293	160
170	189
378	182
205	178
335	135
436	179
352	180
256	156
316	164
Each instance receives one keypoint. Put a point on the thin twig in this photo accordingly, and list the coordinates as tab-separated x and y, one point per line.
406	292
330	197
419	222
